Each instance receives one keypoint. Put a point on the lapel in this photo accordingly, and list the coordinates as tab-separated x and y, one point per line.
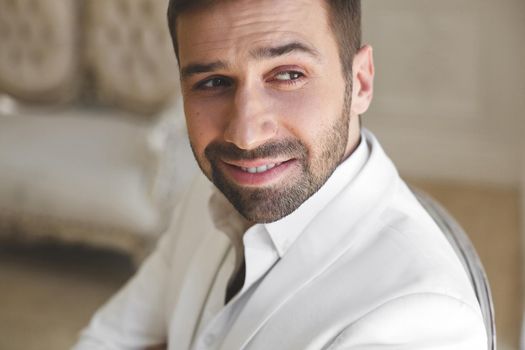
201	252
324	241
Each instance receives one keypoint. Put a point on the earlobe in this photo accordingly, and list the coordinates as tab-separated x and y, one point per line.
363	80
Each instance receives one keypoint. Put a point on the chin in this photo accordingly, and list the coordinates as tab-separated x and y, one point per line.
265	205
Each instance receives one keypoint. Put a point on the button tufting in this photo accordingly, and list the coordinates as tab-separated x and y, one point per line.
39	41
144	57
30	32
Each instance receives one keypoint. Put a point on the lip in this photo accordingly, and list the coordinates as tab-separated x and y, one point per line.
244	178
254	163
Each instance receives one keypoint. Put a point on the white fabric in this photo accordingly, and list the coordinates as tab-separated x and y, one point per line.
370	270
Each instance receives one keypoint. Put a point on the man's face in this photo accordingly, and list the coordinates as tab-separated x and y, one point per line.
266	103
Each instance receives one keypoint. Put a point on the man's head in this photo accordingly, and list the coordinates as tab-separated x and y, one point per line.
273	90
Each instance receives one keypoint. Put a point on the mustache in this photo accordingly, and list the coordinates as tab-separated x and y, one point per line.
289	148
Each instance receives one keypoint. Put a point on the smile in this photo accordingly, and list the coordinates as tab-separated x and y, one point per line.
260	169
258	172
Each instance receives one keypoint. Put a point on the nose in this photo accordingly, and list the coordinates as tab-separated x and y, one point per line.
252	121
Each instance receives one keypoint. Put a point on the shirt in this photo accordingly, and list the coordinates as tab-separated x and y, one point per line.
262	246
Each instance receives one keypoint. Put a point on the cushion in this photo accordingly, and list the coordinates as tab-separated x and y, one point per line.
89	167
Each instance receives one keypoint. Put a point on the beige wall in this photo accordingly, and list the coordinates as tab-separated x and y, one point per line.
450	88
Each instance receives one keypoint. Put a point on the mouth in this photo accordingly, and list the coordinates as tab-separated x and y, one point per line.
260	169
258	172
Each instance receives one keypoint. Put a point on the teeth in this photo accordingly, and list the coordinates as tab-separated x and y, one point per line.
260	169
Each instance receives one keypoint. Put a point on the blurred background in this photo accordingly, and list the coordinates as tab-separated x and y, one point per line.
93	151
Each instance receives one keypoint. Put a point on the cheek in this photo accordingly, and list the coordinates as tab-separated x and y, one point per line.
310	111
205	121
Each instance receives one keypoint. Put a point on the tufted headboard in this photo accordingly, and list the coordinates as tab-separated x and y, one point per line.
130	52
50	50
39	57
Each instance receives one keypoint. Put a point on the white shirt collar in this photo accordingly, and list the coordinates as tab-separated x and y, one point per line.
285	231
262	245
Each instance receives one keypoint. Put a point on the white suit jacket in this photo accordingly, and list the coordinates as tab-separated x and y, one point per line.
371	271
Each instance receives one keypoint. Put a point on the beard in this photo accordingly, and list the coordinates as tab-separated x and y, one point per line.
271	203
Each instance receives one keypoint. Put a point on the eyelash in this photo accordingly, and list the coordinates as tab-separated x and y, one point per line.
226	82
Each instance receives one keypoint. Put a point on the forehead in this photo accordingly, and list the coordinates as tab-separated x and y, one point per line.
239	26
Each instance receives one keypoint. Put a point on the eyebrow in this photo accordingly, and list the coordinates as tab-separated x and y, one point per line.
258	54
271	52
196	68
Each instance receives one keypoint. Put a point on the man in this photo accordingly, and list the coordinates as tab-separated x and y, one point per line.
309	239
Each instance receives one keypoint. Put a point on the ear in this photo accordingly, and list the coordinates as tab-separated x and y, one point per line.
363	72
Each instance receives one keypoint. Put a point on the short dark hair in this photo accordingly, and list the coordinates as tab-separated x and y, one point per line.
345	21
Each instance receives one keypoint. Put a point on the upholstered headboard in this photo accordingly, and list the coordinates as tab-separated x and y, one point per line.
130	52
52	49
39	57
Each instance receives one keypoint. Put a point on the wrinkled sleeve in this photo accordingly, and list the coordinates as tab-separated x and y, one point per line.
416	322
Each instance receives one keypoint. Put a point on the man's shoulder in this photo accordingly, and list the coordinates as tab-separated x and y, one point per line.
410	254
391	273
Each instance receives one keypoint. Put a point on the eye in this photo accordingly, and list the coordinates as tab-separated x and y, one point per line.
213	83
288	76
287	79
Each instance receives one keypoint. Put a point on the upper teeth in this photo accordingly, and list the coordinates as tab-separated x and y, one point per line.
260	169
